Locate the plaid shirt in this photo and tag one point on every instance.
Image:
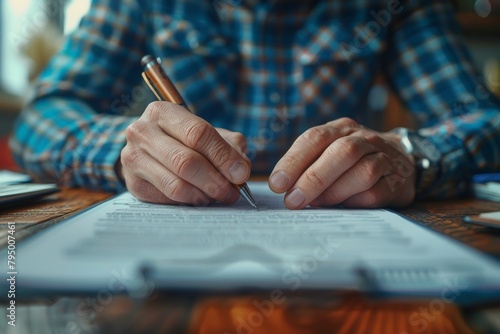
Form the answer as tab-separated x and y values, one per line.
268	69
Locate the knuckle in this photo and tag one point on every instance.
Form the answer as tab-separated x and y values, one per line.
239	140
185	164
198	134
371	172
129	157
372	138
348	122
134	131
292	161
237	137
172	187
346	147
154	110
219	154
316	136
315	178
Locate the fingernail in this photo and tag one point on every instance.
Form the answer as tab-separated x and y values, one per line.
238	172
280	180
296	198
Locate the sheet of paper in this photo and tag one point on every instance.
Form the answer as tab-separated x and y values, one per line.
238	246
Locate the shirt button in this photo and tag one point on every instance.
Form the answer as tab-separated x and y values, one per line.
275	97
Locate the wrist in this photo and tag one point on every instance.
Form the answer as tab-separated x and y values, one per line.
424	155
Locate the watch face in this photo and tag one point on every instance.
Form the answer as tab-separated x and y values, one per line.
425	148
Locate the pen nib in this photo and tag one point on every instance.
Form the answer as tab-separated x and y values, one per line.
247	194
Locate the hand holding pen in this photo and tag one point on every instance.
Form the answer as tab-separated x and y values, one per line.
175	157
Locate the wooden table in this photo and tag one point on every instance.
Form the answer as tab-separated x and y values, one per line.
325	313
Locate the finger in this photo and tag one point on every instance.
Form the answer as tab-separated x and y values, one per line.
141	189
382	194
146	192
141	166
235	139
361	177
305	150
193	168
337	159
200	136
184	162
175	188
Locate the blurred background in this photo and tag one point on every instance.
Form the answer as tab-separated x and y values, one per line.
31	31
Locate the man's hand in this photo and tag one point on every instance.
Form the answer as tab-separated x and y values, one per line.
173	156
343	162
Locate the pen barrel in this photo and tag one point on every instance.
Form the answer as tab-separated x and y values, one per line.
163	84
160	80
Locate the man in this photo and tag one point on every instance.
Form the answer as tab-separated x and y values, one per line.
276	87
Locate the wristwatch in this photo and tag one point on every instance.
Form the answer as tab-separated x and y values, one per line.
426	155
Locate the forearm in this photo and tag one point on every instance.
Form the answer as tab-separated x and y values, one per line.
469	144
432	72
65	141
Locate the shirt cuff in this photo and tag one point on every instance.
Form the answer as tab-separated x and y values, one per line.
95	157
454	174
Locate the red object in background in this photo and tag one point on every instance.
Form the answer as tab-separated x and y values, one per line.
6	159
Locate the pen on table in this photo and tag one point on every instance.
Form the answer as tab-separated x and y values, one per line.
164	89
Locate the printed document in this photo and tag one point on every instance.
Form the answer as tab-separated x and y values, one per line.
122	242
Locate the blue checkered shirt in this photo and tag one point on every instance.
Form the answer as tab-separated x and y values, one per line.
268	69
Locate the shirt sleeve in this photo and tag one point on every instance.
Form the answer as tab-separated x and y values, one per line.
73	130
430	69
